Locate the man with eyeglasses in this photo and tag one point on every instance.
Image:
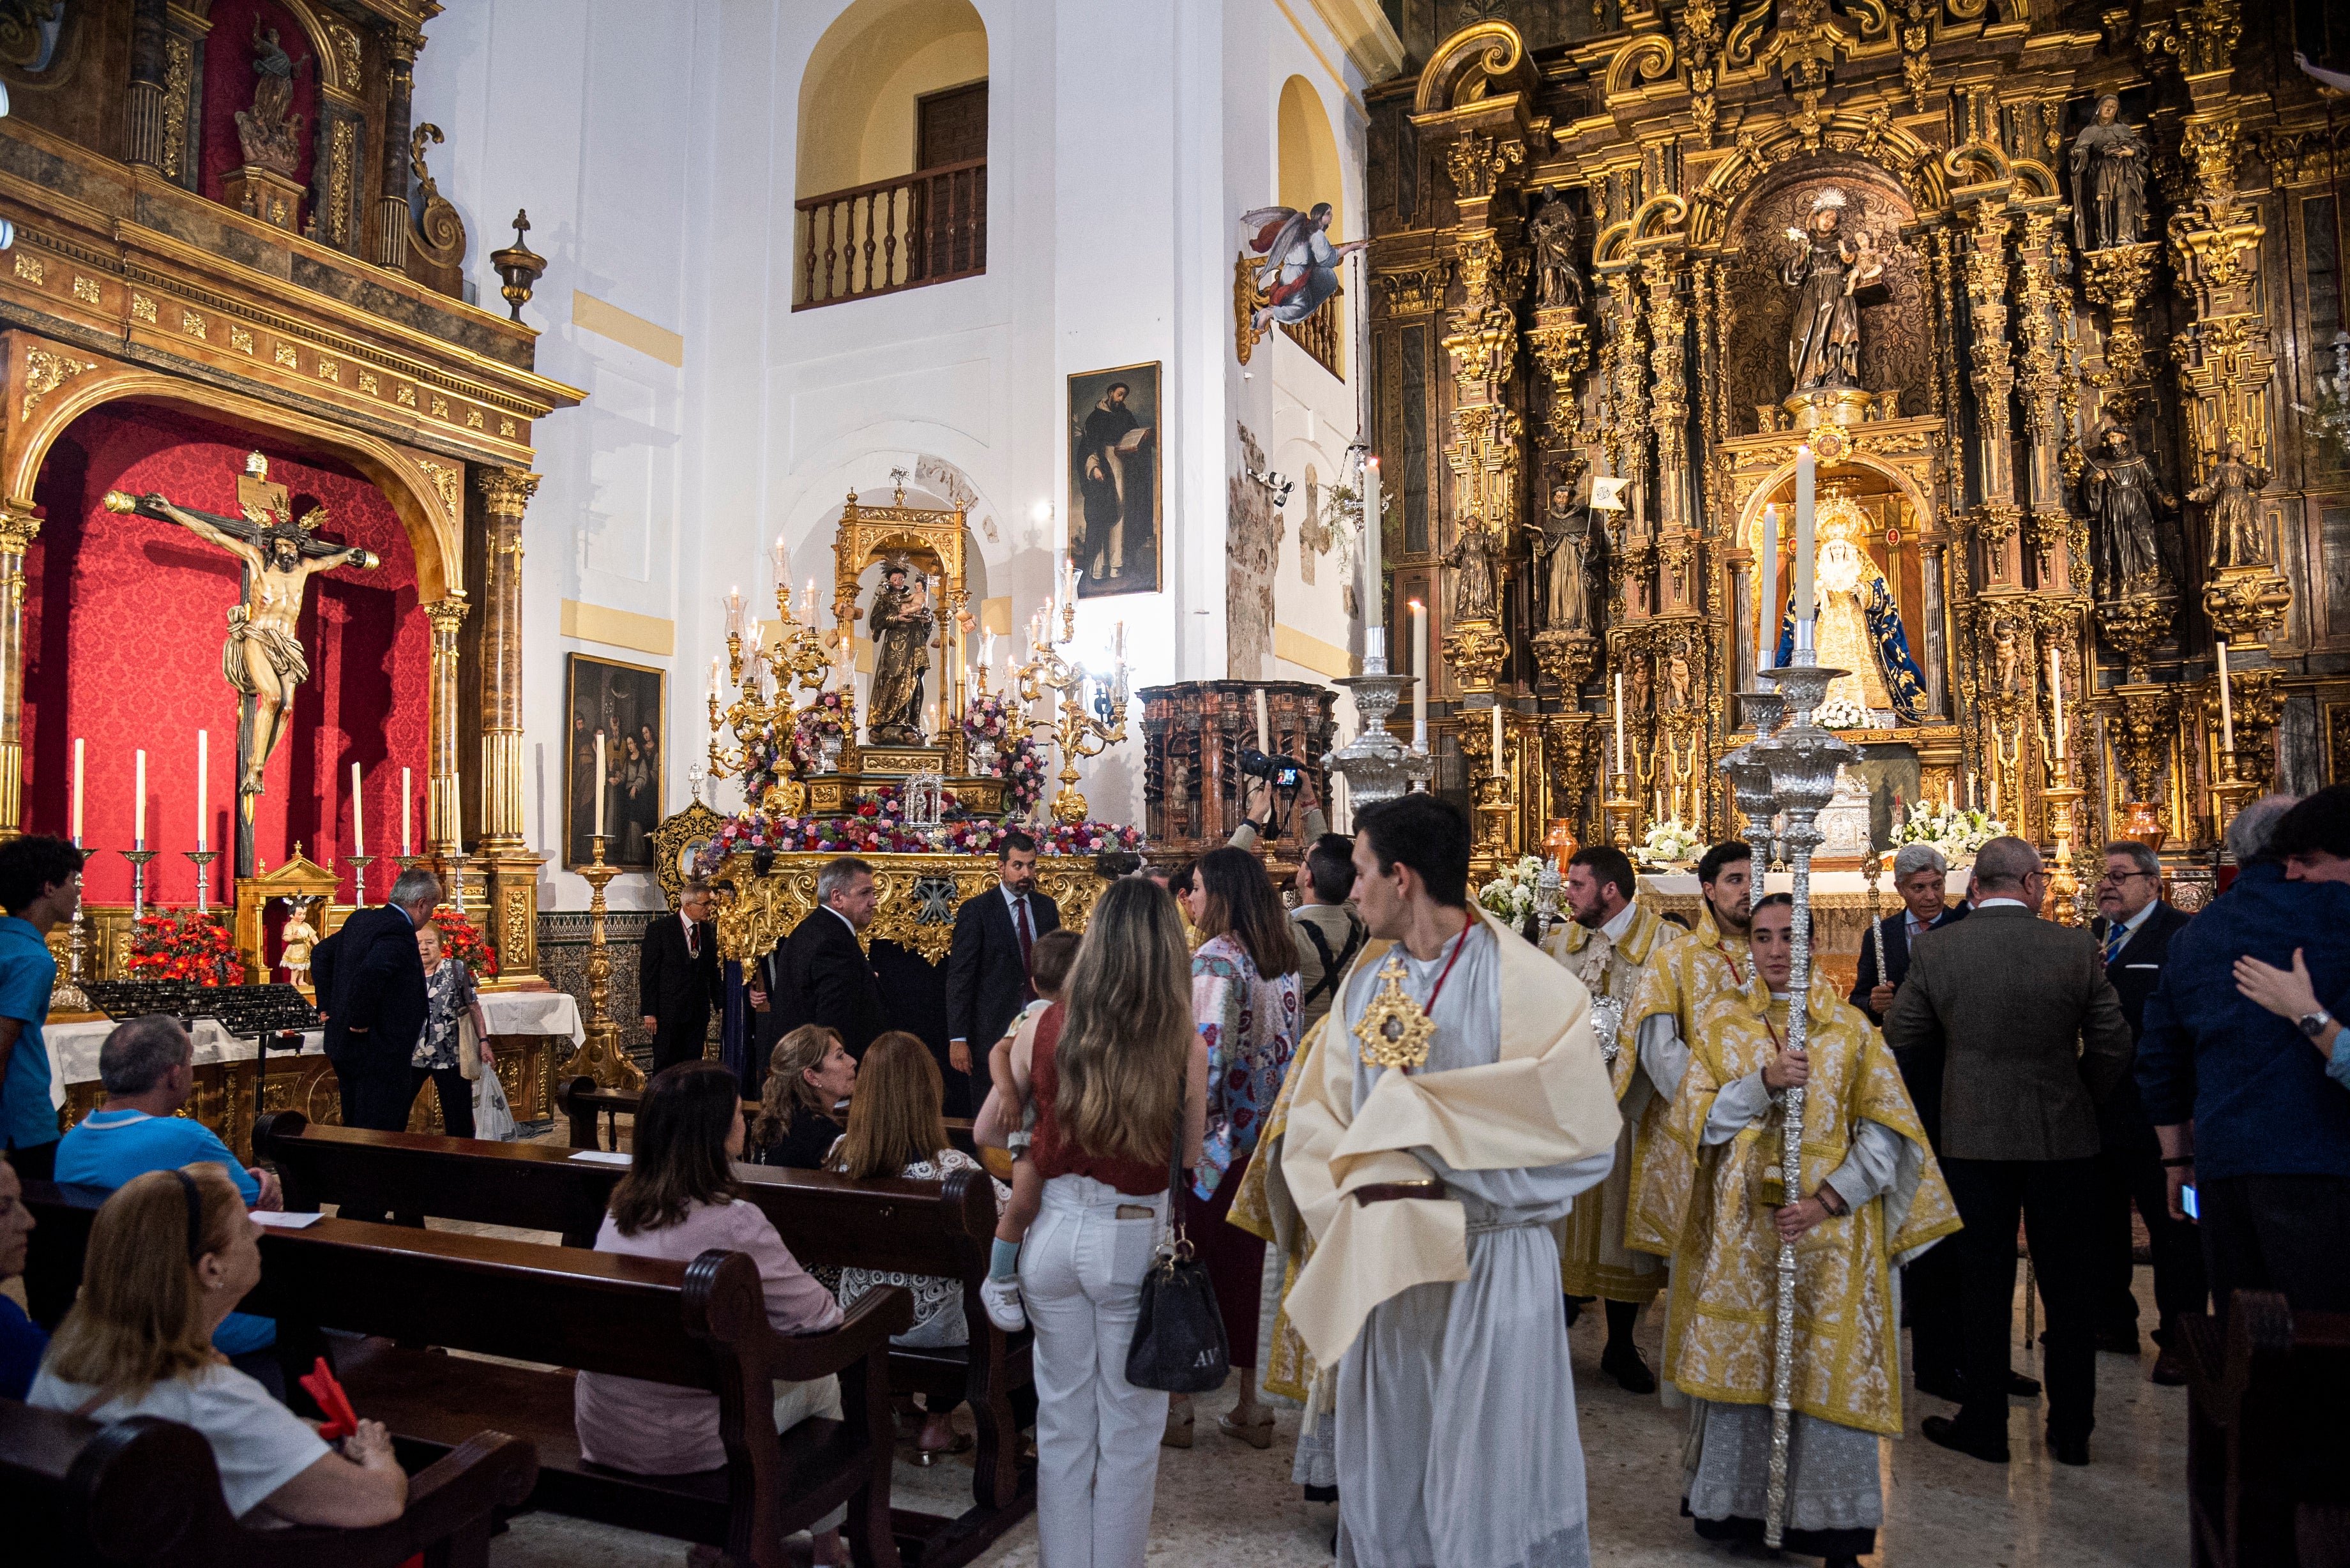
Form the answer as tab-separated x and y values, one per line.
2030	1037
40	882
2134	928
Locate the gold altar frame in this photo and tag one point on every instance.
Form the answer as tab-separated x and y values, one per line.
935	539
766	909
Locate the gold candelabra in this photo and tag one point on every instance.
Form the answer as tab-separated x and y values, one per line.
600	1056
797	655
2063	887
1621	809
2230	791
1079	734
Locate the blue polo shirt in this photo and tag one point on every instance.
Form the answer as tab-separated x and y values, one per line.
27	1118
107	1149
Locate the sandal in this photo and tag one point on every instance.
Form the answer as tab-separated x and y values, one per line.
1179	1427
1256	1434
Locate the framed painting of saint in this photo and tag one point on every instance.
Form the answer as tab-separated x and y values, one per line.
1113	504
625	703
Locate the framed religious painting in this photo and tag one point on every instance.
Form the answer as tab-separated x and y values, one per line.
625	704
1114	489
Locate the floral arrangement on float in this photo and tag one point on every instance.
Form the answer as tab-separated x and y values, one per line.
818	733
185	946
1668	842
1957	834
995	728
875	827
1841	713
1511	894
462	940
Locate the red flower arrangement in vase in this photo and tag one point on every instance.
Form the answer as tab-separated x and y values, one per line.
185	946
461	941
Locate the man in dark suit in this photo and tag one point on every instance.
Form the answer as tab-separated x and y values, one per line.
1919	877
2029	1037
987	967
369	983
819	974
2134	928
677	978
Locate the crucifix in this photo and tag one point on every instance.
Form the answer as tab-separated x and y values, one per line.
262	658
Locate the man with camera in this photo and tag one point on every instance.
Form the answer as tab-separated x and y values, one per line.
1329	932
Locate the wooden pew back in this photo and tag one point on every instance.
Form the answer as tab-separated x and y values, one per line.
2267	1451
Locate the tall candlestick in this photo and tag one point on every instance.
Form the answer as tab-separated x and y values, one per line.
1806	478
1619	721
1766	613
359	827
80	756
407	786
2226	710
1418	676
1373	601
204	743
1263	731
139	802
1498	768
599	783
2056	691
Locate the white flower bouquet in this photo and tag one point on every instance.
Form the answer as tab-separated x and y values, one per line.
1510	895
1841	713
1669	841
1957	834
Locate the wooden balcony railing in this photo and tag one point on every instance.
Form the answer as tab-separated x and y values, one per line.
1318	334
893	234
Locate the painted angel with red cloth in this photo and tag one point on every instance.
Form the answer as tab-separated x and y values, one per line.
1300	269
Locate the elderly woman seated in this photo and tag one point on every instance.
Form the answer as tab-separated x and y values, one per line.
170	1254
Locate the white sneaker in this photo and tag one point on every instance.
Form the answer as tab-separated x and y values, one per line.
1002	1298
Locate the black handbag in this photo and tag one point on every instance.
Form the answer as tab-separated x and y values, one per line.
1178	1338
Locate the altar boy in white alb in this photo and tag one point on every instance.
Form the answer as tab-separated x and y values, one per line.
1433	1146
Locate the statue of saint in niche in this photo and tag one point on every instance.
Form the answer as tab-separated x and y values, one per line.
1858	626
1563	551
270	130
1828	273
2236	537
900	622
1472	560
2121	494
2108	180
1557	280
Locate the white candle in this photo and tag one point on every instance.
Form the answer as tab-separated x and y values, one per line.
1418	676
1806	476
80	756
735	610
139	802
203	743
2226	714
407	786
2056	691
599	783
1263	731
783	569
1619	723
1766	612
359	827
1661	805
1374	605
1994	794
1498	767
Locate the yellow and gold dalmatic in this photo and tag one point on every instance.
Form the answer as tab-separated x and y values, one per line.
1683	978
1718	1201
1261	1208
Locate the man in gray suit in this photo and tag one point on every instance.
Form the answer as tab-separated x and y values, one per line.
2030	1035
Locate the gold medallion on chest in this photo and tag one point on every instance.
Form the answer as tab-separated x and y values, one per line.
1395	1030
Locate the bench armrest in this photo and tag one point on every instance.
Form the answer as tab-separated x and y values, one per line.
454	1497
878	1314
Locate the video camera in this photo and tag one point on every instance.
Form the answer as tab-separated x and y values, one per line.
1281	773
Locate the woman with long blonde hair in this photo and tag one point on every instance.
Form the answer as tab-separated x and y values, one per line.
171	1254
1114	1066
809	1072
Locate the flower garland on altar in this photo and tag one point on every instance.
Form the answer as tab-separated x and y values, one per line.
185	946
461	940
1018	762
875	827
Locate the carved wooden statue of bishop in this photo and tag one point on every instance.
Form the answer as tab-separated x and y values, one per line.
262	658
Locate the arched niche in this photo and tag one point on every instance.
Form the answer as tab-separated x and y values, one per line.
1307	167
856	101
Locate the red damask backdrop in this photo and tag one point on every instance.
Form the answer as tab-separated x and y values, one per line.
228	86
124	618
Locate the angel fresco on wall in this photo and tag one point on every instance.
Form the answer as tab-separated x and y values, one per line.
1300	269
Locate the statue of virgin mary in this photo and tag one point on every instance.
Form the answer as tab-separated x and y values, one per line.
1859	623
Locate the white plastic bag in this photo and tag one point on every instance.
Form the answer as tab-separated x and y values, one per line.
493	1118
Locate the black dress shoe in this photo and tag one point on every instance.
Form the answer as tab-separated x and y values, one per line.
1946	1433
1630	1371
2069	1451
2118	1341
2019	1387
2170	1371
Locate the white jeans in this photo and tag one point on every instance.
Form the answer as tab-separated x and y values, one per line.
1081	1272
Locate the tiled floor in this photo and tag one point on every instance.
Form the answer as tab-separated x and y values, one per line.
1223	1504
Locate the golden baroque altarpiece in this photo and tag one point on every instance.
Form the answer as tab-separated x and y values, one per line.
2071	304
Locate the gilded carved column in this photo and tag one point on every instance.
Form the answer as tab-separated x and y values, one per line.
511	867
18	528
440	825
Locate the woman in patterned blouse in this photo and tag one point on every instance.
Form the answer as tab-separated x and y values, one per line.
1244	1003
449	995
895	1130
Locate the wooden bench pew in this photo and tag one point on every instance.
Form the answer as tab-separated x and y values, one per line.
824	1217
145	1492
2268	1457
593	1114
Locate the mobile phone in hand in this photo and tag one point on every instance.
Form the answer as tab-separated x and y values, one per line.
2186	1202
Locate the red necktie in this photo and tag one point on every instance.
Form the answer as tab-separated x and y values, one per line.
1027	945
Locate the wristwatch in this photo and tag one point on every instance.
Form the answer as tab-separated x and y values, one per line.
2314	1024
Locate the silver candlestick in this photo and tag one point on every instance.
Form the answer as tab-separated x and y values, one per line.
358	865
1801	761
1375	764
1546	890
138	858
204	859
69	997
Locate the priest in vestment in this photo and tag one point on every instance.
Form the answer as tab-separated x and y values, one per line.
1869	1196
1457	1104
1607	945
1681	983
